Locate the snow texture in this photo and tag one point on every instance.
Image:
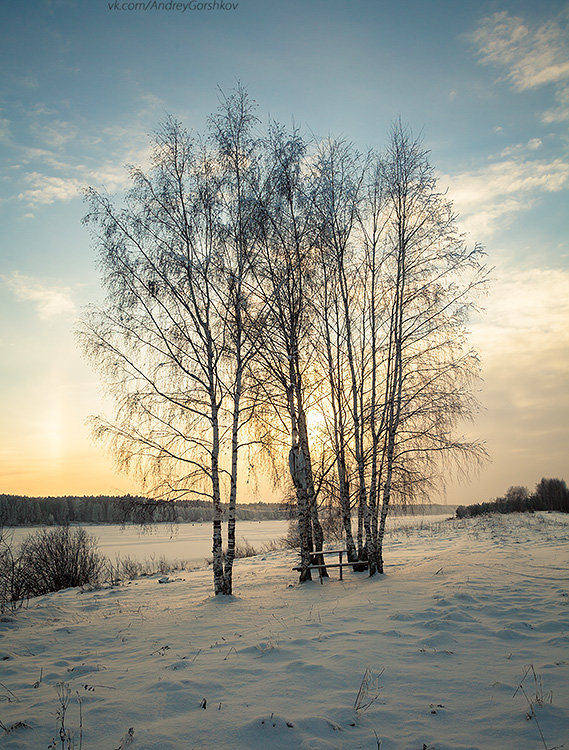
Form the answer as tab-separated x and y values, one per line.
430	655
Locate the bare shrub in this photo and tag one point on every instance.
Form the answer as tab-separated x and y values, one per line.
59	558
245	549
292	539
275	545
332	526
122	569
242	549
161	565
128	568
12	576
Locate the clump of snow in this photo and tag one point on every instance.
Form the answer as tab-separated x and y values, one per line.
431	654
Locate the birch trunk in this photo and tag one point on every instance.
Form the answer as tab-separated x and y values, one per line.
219	582
338	428
230	557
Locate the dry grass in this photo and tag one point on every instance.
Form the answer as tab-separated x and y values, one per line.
244	549
128	569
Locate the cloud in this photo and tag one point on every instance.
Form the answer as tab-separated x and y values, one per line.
560	112
527	311
58	156
44	189
517	149
112	174
151	101
54	134
531	55
523	339
50	301
45	156
113	177
486	196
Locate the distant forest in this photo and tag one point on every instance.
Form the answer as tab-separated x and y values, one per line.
20	510
550	494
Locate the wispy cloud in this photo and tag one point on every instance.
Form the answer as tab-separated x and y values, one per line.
523	338
560	111
530	55
151	101
495	192
518	148
33	154
50	301
55	133
113	177
63	159
527	313
45	189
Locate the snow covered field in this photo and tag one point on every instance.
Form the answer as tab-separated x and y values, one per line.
465	611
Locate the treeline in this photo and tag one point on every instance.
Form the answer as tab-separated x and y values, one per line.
550	494
19	510
422	509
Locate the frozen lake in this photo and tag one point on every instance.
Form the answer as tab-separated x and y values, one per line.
191	542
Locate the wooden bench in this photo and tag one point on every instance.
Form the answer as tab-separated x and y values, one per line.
340	564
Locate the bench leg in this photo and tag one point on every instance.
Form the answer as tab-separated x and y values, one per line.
320	574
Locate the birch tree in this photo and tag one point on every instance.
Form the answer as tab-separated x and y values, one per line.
431	278
287	277
338	175
397	282
237	153
170	338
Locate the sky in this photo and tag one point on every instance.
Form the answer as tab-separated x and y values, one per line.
85	83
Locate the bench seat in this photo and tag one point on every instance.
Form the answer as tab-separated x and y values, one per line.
361	563
321	566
